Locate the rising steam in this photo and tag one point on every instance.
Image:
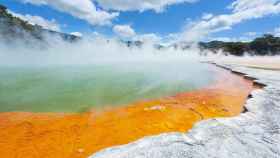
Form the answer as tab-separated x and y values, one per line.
89	50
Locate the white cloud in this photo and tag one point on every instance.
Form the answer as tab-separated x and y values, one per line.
243	5
38	20
233	39
36	2
276	32
78	34
139	5
207	16
149	37
82	9
251	34
242	10
124	31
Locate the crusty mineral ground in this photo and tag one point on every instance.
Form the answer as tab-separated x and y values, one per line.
265	63
45	135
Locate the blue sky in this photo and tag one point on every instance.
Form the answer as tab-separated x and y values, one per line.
173	19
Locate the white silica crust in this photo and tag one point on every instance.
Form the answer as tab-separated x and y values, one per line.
254	134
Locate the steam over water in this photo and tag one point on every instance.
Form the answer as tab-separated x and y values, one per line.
77	88
69	78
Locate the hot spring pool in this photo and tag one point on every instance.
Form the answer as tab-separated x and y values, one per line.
79	88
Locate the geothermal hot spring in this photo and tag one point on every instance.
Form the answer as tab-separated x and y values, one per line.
77	88
93	74
73	100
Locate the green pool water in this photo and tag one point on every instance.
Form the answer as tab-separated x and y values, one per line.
79	88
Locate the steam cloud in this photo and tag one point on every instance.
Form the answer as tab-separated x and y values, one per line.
89	50
52	49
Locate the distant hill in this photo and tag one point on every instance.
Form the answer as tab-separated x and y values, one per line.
12	28
261	46
266	45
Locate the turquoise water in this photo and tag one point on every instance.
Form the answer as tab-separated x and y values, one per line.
79	88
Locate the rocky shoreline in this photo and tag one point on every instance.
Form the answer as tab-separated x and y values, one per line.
255	133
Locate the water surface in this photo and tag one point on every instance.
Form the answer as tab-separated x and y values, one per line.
79	88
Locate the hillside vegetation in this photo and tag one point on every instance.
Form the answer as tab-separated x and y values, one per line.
12	28
266	45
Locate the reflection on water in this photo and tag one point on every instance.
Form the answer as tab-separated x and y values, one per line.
78	88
